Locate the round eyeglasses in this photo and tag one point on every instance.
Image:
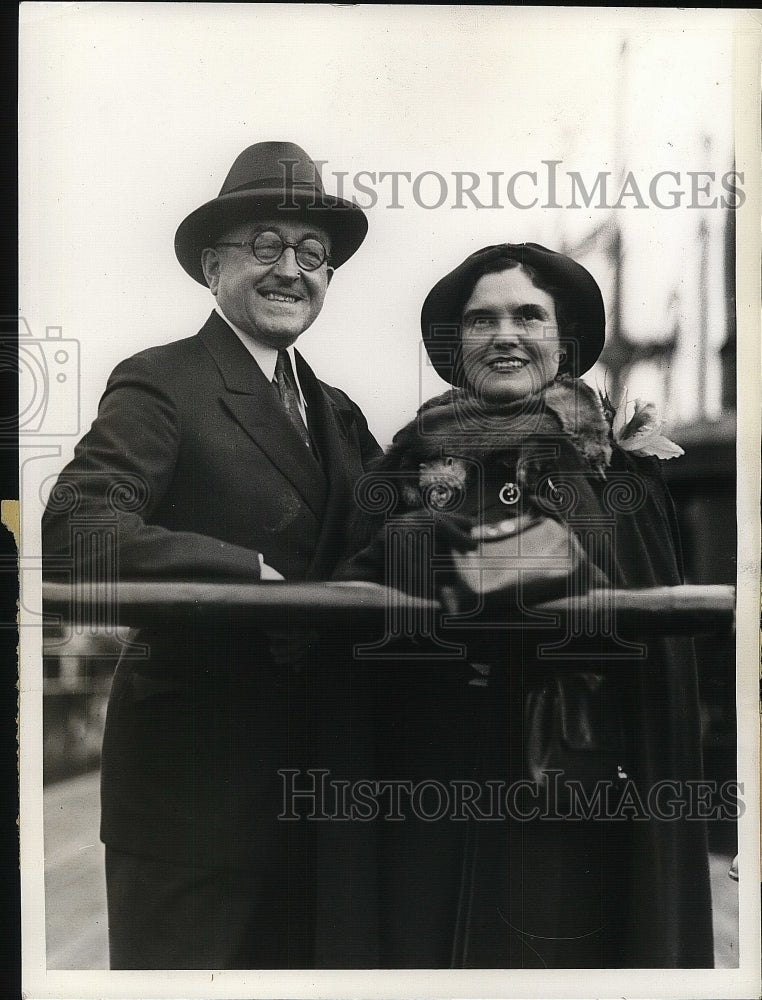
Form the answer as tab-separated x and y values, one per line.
268	248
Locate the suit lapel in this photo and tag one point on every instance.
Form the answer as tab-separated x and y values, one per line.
253	403
331	423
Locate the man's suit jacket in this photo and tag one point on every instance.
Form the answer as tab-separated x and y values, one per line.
193	468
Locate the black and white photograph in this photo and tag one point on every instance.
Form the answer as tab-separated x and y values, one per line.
389	469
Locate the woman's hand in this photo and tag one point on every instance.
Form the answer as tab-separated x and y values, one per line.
451	531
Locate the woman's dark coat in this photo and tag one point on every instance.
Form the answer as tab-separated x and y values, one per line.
631	891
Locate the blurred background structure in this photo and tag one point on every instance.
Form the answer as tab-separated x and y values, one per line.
681	356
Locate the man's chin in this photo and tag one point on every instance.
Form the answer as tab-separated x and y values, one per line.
278	337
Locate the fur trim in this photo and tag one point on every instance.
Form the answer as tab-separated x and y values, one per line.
454	424
580	411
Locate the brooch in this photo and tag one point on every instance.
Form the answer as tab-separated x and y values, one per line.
442	482
509	493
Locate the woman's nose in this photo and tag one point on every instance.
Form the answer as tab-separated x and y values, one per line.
507	332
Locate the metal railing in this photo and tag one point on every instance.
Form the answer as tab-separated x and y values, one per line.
686	610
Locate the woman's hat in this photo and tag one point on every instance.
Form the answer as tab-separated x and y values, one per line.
271	179
441	313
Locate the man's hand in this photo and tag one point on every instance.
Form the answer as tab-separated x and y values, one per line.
267	573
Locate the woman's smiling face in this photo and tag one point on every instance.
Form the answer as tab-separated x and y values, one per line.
509	346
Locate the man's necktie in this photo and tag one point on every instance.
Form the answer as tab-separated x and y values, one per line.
286	385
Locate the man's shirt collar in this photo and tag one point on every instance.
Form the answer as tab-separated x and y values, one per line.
264	355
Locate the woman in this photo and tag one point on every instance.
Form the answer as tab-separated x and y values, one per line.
552	742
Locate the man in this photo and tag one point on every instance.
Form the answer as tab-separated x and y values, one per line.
220	457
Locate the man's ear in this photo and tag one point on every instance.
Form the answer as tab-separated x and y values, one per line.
210	262
329	273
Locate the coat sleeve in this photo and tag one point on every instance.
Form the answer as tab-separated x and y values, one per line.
370	450
653	530
365	552
101	517
670	512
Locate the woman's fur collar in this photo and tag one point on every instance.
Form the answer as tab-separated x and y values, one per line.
455	423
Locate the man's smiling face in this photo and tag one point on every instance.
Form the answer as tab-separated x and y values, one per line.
273	303
509	346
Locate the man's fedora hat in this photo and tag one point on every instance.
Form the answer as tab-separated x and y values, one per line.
275	180
582	300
